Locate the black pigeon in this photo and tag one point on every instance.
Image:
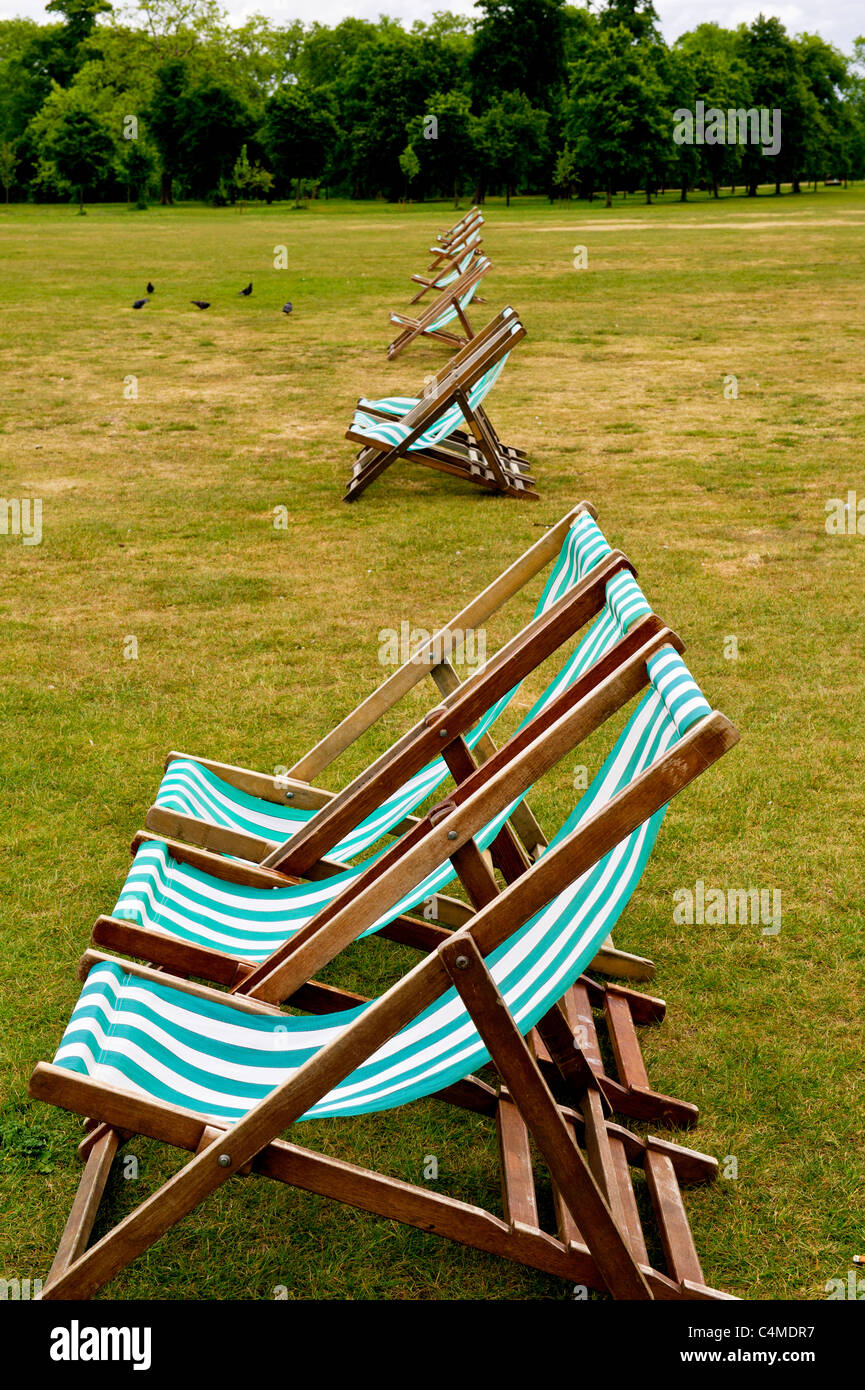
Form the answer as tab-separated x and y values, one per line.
247	291
200	303
150	289
286	308
139	303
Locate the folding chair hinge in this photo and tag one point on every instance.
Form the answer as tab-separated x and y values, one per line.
430	718
208	1134
441	812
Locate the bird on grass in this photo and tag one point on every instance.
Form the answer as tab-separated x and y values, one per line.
286	308
200	303
248	291
139	303
150	289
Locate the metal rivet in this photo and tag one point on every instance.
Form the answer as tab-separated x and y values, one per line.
289	796
462	962
452	835
443	733
224	1160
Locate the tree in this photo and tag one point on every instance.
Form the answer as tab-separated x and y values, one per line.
298	133
564	173
519	46
715	74
136	166
617	119
511	141
166	117
250	179
81	149
777	84
442	142
638	17
8	165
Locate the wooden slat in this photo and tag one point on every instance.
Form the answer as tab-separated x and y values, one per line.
519	1071
626	1046
85	1207
628	1201
679	1249
515	1159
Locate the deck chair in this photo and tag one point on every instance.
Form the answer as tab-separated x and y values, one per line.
397	407
185	911
445	268
449	307
224	1077
216	919
432	431
461	228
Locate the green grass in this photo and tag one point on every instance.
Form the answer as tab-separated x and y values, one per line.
253	642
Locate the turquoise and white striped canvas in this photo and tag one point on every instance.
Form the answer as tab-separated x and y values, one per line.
249	923
213	1059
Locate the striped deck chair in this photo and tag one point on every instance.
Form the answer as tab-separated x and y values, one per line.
461	228
448	307
224	1077
190	910
396	407
446	268
431	429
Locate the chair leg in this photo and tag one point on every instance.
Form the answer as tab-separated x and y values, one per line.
513	1059
79	1225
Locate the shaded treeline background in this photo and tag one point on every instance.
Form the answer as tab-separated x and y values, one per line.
535	96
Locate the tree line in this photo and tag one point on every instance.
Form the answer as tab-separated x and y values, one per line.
534	96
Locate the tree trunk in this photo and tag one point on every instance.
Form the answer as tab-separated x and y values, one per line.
797	188
715	193
166	196
777	188
297	194
456	194
683	196
609	202
507	194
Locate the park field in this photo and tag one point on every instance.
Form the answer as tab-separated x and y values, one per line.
252	641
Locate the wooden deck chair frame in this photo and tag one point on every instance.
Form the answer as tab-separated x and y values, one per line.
485	461
453	369
185	832
630	1094
447	264
449	298
600	1241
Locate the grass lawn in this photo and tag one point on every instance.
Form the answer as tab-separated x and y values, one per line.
252	642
